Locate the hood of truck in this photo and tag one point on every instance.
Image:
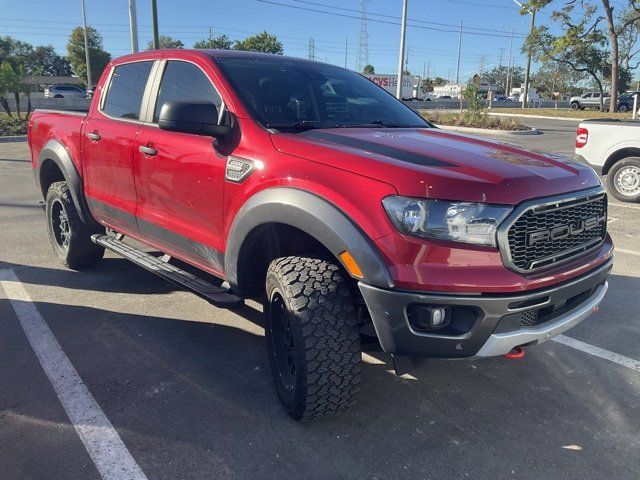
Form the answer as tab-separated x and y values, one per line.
433	163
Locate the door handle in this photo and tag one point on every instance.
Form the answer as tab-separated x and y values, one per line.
147	150
94	136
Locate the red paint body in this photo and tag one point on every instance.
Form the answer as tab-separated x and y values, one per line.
183	190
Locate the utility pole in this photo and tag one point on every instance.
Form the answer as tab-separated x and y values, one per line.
86	46
312	49
508	86
528	70
459	49
346	49
403	34
362	57
133	26
154	25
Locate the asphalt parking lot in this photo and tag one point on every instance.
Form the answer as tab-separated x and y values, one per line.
187	386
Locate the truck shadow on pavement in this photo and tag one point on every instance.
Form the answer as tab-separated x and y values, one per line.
115	275
195	395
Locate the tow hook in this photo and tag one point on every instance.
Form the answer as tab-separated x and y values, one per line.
516	353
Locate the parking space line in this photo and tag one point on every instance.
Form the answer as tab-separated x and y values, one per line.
599	352
628	252
104	445
633	207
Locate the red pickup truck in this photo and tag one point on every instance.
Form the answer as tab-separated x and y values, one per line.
312	189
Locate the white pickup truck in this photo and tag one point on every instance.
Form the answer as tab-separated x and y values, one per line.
612	147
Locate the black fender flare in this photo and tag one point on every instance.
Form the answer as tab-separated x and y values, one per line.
312	214
55	152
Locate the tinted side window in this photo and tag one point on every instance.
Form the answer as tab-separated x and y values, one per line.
124	96
184	82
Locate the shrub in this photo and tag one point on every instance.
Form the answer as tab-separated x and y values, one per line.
12	125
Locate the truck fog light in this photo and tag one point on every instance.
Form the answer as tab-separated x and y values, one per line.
438	316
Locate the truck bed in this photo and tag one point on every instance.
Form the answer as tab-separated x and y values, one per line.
63	126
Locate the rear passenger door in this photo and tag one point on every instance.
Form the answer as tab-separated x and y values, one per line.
109	134
180	183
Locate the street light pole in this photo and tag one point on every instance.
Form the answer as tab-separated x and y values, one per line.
86	46
403	34
528	70
133	26
154	25
459	49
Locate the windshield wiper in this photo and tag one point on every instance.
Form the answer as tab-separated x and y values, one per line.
381	123
298	126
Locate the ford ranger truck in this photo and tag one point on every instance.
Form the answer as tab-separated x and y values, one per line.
612	147
308	187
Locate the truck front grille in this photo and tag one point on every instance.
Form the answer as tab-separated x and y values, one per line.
555	231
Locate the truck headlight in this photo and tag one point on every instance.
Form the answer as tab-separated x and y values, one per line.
466	222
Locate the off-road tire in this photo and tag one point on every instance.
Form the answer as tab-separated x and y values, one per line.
632	164
78	250
310	294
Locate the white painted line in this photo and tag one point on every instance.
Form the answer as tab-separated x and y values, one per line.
614	204
599	352
104	445
628	252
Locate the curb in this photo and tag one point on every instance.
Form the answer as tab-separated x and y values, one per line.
543	117
487	131
14	138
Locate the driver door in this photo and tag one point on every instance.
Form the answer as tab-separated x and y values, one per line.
180	176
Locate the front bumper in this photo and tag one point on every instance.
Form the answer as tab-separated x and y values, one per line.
488	324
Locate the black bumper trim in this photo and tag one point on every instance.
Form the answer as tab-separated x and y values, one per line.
388	310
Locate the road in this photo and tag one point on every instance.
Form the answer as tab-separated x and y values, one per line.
187	387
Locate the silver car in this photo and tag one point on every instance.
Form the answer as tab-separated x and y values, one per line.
589	100
64	91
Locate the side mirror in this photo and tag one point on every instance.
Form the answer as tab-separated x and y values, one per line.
197	118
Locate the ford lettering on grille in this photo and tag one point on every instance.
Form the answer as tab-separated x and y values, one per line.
545	234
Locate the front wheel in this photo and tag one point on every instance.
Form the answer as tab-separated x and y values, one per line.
70	237
574	106
623	108
312	336
623	179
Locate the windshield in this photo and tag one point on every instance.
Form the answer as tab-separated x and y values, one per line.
288	94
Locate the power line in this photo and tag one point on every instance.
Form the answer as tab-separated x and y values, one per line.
324	5
388	22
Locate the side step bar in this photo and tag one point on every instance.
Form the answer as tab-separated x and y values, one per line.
217	296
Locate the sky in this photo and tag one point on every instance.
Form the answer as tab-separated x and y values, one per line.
432	37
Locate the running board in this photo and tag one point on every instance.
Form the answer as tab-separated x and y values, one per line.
217	296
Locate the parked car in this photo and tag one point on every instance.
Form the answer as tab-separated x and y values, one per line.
64	91
502	98
613	148
308	187
589	100
625	101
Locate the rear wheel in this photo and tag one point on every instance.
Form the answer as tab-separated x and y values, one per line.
623	179
312	336
70	237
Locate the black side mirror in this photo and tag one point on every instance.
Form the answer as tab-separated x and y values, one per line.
197	118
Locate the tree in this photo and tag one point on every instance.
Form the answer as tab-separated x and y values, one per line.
98	57
221	42
439	82
617	27
553	77
9	83
262	42
581	46
166	42
427	85
369	69
498	76
44	60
